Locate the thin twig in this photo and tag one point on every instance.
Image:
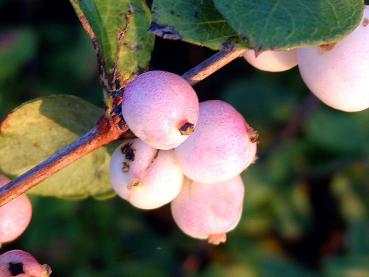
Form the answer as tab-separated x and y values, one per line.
212	64
106	131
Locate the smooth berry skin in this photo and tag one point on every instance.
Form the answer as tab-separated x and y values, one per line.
222	146
209	211
338	74
15	216
272	60
21	264
149	180
156	105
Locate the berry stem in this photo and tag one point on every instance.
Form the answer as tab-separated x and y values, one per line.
106	131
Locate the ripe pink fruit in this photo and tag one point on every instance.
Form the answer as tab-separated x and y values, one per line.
160	108
144	176
272	60
209	211
22	264
222	146
15	216
338	74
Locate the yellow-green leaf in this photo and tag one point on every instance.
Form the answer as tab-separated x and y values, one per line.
41	127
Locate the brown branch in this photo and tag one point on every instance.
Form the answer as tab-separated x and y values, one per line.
212	64
106	131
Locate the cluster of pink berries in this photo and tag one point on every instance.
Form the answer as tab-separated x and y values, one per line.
15	217
335	73
191	154
187	153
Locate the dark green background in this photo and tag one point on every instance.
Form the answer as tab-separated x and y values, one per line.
307	197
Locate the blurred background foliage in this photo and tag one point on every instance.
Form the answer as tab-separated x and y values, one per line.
307	198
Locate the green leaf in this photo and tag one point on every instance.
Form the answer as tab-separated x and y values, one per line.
258	208
276	266
336	131
359	238
267	24
193	21
347	266
118	29
262	99
292	213
16	49
351	193
39	128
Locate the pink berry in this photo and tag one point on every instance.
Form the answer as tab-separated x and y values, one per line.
15	216
272	60
22	264
160	108
222	146
146	177
209	211
338	73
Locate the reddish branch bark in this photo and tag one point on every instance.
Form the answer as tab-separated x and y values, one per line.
106	131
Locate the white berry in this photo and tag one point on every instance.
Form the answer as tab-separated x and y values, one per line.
22	264
338	74
15	216
146	177
160	108
222	146
272	60
209	211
